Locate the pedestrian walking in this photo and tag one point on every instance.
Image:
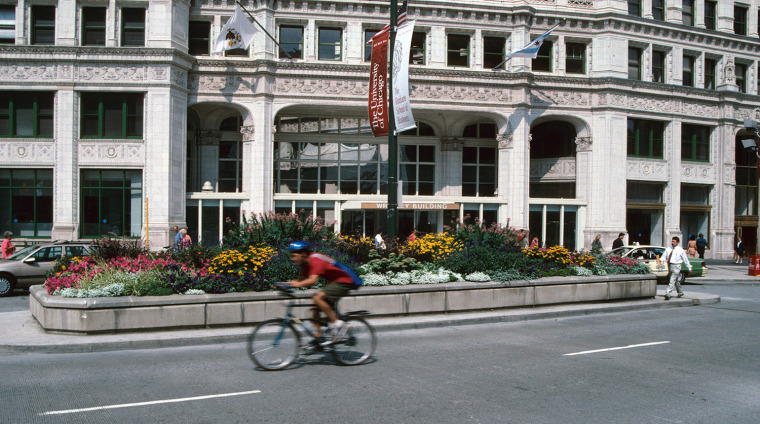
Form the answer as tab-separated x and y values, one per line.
691	247
8	248
596	245
701	246
379	241
534	242
739	250
676	258
618	241
177	238
187	241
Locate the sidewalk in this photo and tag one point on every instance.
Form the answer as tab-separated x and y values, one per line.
20	332
726	270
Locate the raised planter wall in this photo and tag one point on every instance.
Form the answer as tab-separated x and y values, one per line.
128	313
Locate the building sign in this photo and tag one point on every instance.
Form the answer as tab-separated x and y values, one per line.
416	206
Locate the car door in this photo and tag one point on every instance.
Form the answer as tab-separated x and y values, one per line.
35	272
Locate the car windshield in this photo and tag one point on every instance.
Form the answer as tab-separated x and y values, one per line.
621	251
21	254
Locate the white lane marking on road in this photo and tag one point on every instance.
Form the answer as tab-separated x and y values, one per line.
615	348
153	402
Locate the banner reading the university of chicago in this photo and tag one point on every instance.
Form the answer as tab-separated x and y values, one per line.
402	109
378	80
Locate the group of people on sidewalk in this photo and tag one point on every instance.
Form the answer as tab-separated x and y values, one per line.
182	239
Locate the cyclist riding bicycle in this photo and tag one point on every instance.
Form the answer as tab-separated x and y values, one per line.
340	279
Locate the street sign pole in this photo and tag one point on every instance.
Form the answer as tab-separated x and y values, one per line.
392	214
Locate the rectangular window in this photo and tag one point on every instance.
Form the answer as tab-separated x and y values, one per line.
7	24
493	52
26	201
458	50
230	166
291	41
111	203
634	63
645	138
688	70
132	26
695	142
43	24
112	115
710	12
634	7
479	171
417	54
200	38
658	66
330	44
26	114
710	66
543	61
417	169
368	34
93	26
741	77
687	12
575	58
658	10
740	20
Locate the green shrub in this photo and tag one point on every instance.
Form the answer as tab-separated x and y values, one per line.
196	256
393	263
275	229
110	248
470	232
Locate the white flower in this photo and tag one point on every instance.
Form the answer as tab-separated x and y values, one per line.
195	291
477	276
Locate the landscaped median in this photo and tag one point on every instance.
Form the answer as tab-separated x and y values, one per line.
138	313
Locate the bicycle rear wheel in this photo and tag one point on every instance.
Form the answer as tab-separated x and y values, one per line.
357	345
274	345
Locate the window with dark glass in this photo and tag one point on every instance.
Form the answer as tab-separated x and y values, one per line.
26	201
112	115
230	166
422	129
634	7
493	52
132	26
43	24
658	10
111	203
746	178
458	50
710	66
417	51
7	24
538	190
93	26
740	20
480	130
687	12
710	12
330	44
634	63
479	171
741	77
291	41
695	142
645	138
26	114
543	61
554	139
368	34
417	169
575	58
688	70
658	66
199	43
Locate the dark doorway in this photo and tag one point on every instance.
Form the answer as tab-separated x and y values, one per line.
639	226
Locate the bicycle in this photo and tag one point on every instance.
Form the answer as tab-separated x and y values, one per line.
276	343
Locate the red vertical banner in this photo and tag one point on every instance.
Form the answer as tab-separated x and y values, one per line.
378	80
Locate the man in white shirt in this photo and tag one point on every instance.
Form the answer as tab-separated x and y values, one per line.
379	242
675	257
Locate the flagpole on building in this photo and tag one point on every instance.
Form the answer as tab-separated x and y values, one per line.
264	29
392	214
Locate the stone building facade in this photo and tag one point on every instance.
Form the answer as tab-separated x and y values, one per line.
115	117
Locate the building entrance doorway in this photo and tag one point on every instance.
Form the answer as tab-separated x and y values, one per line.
644	226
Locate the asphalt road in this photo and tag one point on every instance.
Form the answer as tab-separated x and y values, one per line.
683	365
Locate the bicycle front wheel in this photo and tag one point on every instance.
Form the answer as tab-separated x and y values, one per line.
358	343
274	345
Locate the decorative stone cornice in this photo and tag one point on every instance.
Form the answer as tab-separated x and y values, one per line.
27	152
451	144
553	169
647	169
583	144
506	141
248	132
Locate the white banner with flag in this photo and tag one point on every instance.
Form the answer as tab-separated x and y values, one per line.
402	109
237	33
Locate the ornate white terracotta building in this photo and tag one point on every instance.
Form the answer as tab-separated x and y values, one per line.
115	118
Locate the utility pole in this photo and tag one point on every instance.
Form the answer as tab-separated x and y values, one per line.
392	214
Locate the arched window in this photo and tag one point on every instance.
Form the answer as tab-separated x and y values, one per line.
554	139
231	124
422	129
480	130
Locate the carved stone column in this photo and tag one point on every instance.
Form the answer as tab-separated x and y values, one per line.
66	191
248	132
450	171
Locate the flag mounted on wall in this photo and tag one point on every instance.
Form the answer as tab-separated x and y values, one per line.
531	50
237	33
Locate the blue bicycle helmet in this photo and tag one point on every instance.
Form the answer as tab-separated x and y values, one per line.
298	246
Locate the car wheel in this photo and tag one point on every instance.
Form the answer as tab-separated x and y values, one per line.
7	283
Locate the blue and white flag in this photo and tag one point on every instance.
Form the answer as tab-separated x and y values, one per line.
531	50
237	33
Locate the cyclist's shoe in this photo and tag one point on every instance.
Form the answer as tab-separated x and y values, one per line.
338	329
315	345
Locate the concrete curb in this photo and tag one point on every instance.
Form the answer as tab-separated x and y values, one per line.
24	335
